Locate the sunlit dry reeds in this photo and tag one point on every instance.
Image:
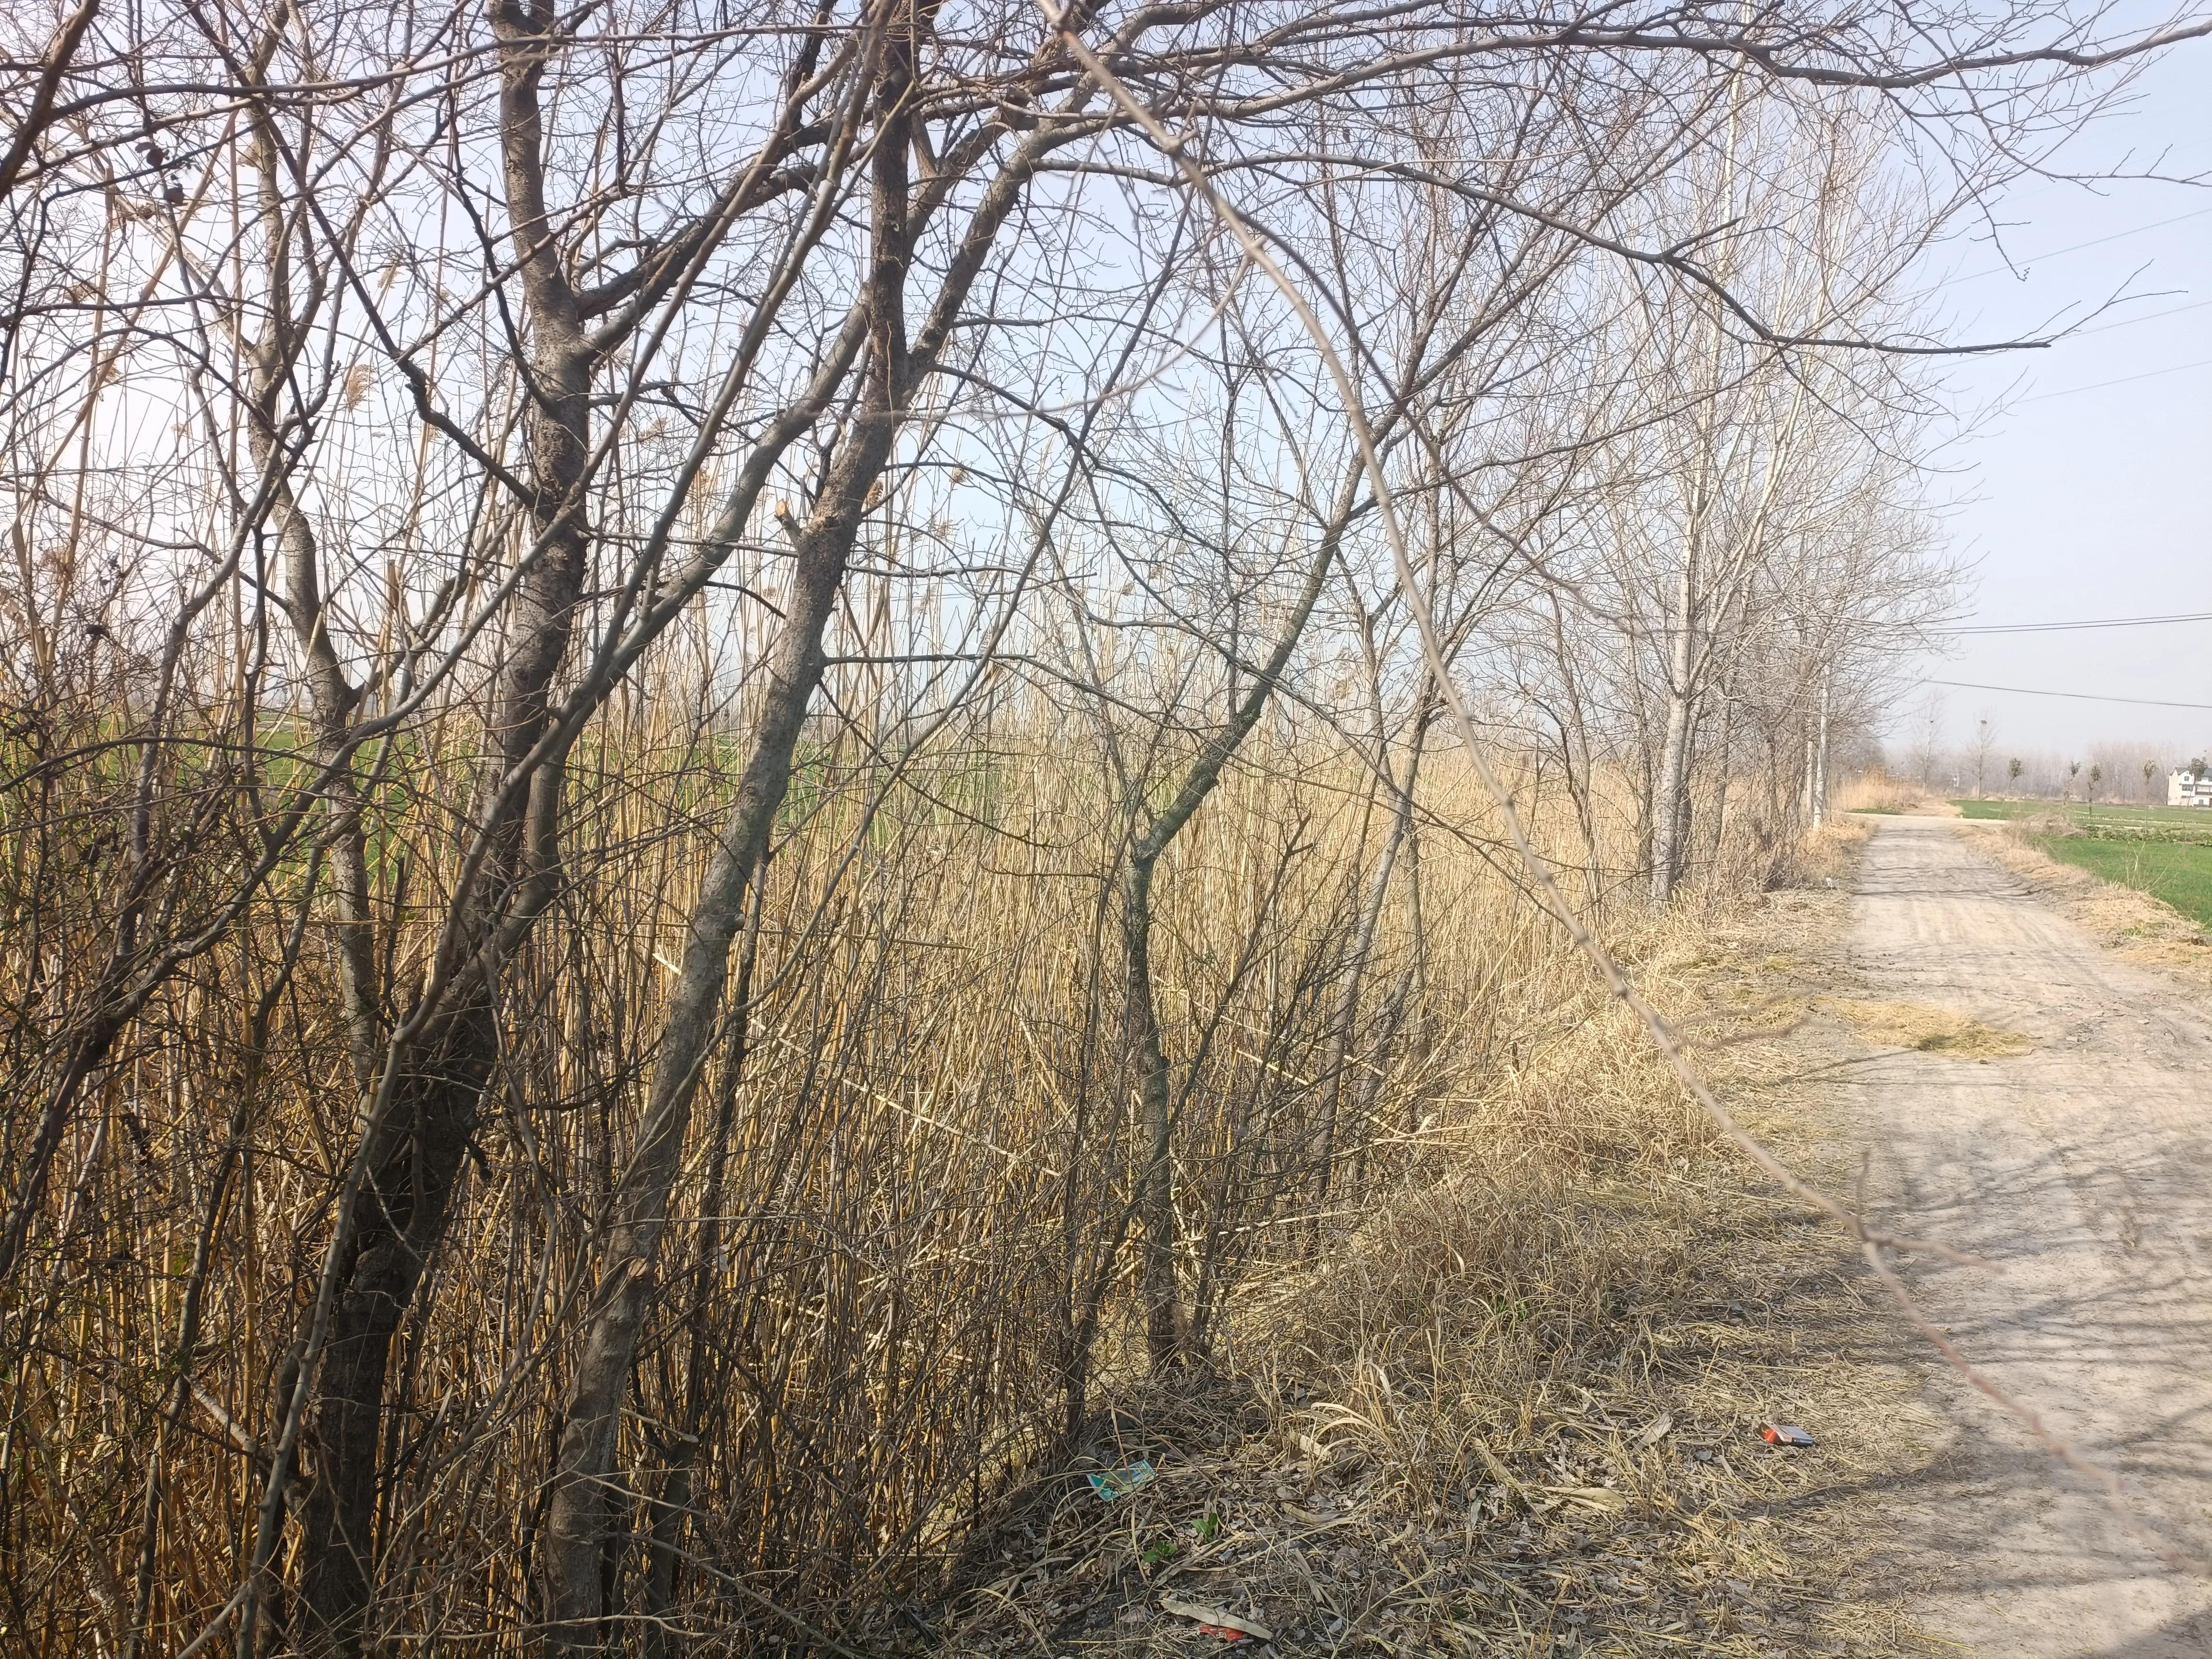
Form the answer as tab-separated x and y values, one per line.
899	1278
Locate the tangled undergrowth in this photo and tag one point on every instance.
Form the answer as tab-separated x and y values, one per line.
1518	1410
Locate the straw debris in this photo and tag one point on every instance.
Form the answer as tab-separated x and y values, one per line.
1931	1030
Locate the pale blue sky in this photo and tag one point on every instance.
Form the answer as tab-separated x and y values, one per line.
2082	499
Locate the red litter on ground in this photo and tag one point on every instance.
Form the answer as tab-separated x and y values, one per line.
1785	1434
1215	1622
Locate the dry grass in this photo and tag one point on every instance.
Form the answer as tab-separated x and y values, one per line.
2124	919
1877	792
885	1219
1517	1412
1826	856
1931	1030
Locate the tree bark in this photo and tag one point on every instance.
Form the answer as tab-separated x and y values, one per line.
1673	781
1820	757
416	1168
584	1488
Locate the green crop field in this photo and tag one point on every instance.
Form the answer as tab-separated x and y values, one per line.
2164	851
2177	873
2188	824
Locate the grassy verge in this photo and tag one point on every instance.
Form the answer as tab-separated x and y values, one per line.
1518	1412
2163	851
1990	809
2124	918
2175	873
2184	823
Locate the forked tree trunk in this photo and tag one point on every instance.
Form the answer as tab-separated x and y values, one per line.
1165	1321
415	1164
586	1487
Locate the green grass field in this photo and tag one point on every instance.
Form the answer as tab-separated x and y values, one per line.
2164	823
2177	873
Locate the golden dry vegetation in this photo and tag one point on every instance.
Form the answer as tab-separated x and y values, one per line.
1919	1025
1516	1410
1442	1338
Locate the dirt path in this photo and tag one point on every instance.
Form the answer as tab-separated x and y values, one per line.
2082	1172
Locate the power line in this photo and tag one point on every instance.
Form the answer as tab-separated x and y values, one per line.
2099	386
2078	696
2095	241
2063	627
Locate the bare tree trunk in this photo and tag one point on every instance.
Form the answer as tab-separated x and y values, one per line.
578	1530
701	1371
1164	1315
1140	1028
416	1167
1672	784
1821	754
577	1523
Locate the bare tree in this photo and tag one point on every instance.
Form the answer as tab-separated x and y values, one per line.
534	532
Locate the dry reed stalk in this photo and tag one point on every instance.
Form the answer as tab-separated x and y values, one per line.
925	1166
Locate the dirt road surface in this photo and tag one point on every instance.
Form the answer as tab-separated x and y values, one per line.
2082	1172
